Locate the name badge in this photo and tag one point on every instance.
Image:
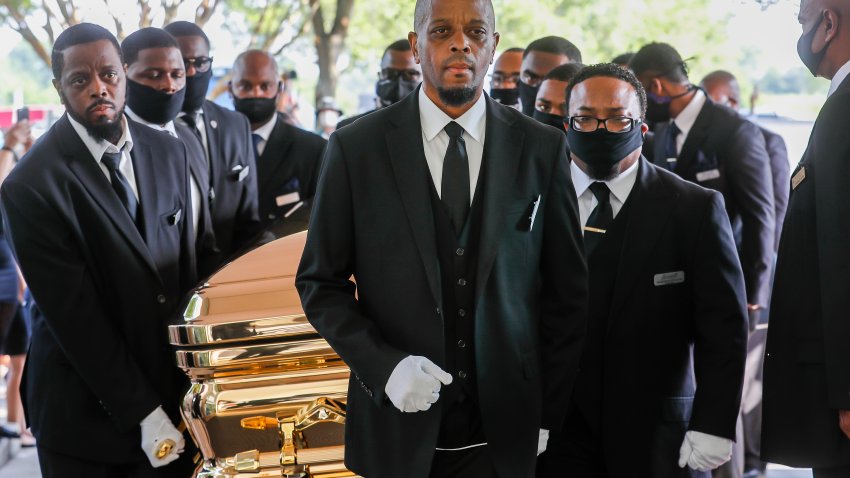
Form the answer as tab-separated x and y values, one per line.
669	278
798	178
285	199
708	175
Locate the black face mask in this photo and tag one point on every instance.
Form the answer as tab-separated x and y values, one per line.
550	119
601	150
506	96
153	105
804	49
258	110
196	91
658	107
527	95
392	91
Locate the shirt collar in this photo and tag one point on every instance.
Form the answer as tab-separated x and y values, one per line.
621	186
433	119
99	146
167	127
839	78
266	129
686	119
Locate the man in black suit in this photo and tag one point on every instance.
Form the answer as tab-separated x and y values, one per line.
100	221
806	407
722	87
226	139
504	82
287	157
667	303
399	76
538	59
156	85
456	218
714	147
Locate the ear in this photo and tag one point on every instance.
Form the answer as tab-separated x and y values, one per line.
644	128
655	86
413	38
58	87
496	38
832	23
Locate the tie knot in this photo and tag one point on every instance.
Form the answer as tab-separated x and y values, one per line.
191	120
111	160
600	191
454	130
674	130
257	139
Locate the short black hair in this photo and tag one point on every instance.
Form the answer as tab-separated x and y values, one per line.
623	59
662	60
610	70
565	72
186	29
398	45
144	39
77	35
556	45
515	49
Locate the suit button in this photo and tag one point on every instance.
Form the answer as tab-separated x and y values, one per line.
160	298
438	311
461	344
461	313
272	216
461	374
461	282
459	251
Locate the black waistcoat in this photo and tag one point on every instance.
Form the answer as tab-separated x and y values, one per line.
458	259
602	266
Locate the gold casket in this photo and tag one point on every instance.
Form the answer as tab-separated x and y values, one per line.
267	396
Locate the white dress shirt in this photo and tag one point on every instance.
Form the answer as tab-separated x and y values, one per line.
436	140
195	190
99	146
686	119
621	186
202	130
265	131
839	78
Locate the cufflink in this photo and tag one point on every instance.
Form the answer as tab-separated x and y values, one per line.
165	448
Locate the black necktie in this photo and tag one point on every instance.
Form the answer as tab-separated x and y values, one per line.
600	219
256	139
192	120
671	152
454	191
120	184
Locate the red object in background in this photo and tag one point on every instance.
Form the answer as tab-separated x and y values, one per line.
7	115
6	118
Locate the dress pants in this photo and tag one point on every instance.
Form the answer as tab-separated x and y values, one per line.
469	463
842	472
58	465
576	451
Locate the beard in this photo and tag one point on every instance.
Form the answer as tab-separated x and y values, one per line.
457	96
102	130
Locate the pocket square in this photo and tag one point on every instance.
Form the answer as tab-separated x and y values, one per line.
669	278
175	218
240	172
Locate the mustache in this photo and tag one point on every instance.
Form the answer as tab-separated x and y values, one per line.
100	102
468	61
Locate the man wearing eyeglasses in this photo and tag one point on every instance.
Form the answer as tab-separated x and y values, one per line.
226	139
660	377
399	76
504	82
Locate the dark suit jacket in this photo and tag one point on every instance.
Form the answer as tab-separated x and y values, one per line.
235	216
807	363
351	119
781	174
373	218
99	361
674	353
289	164
726	153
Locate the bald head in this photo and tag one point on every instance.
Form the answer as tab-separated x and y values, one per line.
423	9
723	88
255	75
255	60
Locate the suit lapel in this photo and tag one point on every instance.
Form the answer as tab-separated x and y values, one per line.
659	143
86	169
502	154
696	136
407	157
650	209
274	157
214	148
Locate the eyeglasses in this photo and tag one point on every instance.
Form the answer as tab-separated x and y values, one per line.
392	74
499	79
589	124
202	64
530	78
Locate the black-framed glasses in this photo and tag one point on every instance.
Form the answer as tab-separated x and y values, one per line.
202	64
499	78
407	75
589	124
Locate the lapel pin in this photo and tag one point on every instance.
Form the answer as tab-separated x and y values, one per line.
214	124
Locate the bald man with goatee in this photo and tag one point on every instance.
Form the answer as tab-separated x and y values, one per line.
456	219
807	366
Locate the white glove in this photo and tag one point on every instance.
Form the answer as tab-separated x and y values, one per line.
704	452
542	441
415	384
156	428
